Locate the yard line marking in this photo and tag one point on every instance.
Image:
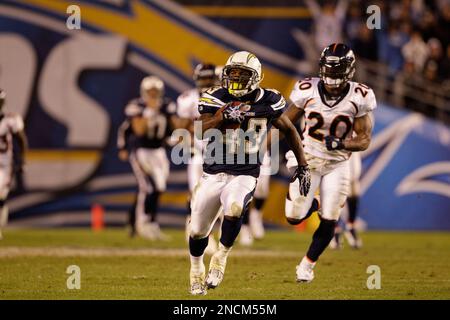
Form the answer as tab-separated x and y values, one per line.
8	252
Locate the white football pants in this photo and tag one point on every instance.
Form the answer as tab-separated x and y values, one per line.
333	179
233	193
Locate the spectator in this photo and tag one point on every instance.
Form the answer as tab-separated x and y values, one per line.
328	22
397	38
435	60
415	51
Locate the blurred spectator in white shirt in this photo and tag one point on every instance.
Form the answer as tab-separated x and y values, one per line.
415	51
328	21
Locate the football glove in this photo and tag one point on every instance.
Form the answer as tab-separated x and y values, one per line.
233	113
334	143
303	174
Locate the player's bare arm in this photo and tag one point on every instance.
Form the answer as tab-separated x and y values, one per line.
210	121
293	138
294	113
363	130
302	172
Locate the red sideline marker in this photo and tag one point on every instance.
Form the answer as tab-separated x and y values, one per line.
97	217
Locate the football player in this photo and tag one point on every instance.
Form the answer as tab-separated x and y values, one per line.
231	166
149	122
11	128
205	76
338	122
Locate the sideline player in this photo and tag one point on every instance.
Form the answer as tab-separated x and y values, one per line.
231	165
338	122
149	122
11	128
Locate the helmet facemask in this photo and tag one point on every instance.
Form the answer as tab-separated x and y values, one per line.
242	84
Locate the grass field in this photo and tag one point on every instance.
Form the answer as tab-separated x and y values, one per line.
33	265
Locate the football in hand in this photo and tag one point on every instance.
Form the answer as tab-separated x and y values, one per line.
232	125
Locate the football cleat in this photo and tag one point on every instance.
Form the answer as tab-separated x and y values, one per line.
197	284
245	236
353	239
216	270
304	270
256	224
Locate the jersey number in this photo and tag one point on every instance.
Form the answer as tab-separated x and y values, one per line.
157	127
333	127
256	128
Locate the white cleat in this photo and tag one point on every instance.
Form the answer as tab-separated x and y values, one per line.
216	271
151	231
305	272
353	239
197	284
256	224
212	246
245	236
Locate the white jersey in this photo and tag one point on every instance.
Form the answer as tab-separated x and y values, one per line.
324	120
187	104
187	108
10	124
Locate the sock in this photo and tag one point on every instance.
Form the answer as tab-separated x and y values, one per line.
321	239
197	265
352	208
197	246
230	230
223	252
151	205
259	203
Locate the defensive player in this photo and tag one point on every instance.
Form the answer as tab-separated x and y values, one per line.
338	122
205	76
231	164
11	128
149	122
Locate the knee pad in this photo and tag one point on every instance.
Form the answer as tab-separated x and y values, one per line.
236	211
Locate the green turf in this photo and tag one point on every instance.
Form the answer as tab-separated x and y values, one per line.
413	266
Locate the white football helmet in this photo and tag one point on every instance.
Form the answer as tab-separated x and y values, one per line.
242	85
151	82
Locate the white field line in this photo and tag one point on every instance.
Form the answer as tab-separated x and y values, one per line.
61	252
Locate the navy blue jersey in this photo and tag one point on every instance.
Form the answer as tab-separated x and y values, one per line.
158	122
239	151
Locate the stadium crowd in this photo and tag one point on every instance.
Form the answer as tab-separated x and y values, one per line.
413	38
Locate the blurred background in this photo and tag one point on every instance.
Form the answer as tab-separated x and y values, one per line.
71	87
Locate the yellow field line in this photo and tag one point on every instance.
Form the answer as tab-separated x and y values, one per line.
251	12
